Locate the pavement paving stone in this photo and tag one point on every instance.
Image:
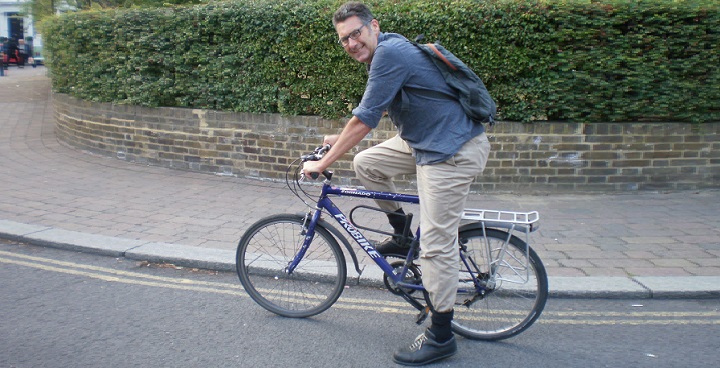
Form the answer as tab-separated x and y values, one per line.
637	244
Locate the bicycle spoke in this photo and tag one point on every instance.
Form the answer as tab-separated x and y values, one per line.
516	287
263	258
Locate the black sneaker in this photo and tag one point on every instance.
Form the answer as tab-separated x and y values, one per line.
425	350
390	247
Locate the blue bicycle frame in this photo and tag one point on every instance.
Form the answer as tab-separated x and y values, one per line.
327	204
324	202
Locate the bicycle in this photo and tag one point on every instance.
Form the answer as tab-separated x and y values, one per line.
293	265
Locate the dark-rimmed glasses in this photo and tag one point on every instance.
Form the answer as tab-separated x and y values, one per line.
353	35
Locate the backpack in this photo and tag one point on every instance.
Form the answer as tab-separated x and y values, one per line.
472	94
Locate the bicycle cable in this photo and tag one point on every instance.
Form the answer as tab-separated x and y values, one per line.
293	178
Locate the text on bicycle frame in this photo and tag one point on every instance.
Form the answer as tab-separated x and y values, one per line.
357	236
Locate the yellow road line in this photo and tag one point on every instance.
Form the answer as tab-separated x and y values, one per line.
135	280
117	272
377	306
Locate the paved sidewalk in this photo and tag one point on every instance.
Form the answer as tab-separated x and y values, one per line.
621	245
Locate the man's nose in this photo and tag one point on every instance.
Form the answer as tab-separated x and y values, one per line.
352	43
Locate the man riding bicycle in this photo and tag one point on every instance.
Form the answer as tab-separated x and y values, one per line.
436	141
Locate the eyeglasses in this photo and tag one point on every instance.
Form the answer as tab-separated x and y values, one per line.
353	35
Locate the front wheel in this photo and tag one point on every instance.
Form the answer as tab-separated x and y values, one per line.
515	283
264	253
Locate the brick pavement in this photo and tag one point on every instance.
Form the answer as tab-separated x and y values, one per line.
45	183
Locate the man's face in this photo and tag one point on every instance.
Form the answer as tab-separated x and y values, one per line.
362	48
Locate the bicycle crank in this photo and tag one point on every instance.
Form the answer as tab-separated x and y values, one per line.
412	276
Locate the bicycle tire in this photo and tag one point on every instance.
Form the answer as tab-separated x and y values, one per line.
266	249
517	299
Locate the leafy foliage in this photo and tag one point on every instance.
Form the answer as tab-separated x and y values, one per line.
41	9
616	60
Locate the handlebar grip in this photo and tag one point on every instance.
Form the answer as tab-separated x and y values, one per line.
326	174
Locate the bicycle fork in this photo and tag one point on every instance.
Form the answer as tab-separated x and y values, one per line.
308	234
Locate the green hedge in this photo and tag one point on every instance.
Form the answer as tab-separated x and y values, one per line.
616	60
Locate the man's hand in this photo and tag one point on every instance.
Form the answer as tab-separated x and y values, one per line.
354	131
310	167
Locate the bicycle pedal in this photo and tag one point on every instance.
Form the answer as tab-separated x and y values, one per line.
422	316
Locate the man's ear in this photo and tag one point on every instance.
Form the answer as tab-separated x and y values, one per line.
375	25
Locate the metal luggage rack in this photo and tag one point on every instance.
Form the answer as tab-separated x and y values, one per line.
524	222
518	218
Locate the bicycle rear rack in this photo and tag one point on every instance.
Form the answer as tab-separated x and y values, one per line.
524	222
517	218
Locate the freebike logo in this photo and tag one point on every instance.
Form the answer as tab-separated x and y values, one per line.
364	243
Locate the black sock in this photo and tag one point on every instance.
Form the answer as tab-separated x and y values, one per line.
397	221
441	325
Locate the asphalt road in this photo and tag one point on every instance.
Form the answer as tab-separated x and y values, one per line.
68	309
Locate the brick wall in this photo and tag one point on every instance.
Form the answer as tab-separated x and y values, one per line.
544	157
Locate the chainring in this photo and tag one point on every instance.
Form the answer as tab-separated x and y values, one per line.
412	276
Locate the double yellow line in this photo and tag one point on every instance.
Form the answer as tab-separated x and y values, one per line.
361	304
113	275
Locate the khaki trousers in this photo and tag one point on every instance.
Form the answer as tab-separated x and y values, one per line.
443	189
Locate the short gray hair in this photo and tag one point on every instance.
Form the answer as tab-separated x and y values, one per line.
353	9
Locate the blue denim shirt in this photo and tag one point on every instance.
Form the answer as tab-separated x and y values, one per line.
435	126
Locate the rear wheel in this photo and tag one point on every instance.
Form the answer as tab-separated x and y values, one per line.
264	253
514	297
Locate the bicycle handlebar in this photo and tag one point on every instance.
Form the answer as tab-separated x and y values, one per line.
316	155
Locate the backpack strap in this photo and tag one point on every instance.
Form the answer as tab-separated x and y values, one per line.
441	56
428	93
